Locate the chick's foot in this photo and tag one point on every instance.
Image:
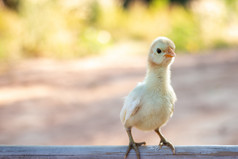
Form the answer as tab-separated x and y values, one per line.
163	142
134	145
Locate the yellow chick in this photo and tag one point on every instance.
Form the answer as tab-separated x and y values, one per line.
150	105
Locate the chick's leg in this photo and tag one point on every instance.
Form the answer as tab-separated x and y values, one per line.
133	144
164	142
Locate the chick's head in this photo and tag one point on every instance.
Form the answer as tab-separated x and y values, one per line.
162	51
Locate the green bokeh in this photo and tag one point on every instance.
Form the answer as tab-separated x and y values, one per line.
59	29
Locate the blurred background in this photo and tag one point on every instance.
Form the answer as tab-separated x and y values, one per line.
66	66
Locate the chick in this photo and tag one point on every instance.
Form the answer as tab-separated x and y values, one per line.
150	105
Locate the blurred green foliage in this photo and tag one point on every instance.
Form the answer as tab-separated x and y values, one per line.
68	29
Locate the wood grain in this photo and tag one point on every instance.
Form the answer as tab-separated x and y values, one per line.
117	152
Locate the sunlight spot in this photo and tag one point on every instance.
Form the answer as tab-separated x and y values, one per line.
104	37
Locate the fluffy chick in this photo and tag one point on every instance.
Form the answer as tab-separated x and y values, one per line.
150	105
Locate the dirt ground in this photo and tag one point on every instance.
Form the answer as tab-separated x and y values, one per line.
48	102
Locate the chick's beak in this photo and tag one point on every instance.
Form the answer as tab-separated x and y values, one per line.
170	53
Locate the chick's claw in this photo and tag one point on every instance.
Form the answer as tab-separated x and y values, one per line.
163	142
134	145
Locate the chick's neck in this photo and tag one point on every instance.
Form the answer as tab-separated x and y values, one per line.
158	77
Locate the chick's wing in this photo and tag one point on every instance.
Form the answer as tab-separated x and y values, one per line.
132	103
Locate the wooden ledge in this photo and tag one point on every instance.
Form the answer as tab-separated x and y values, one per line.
117	152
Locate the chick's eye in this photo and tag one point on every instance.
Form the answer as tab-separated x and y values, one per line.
158	50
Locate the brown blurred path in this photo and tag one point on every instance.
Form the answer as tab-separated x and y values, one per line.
47	102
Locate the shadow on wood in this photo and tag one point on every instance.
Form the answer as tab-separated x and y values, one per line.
117	152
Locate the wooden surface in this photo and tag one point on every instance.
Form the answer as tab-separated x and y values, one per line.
116	152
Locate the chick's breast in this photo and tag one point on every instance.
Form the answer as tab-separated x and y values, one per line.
155	111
